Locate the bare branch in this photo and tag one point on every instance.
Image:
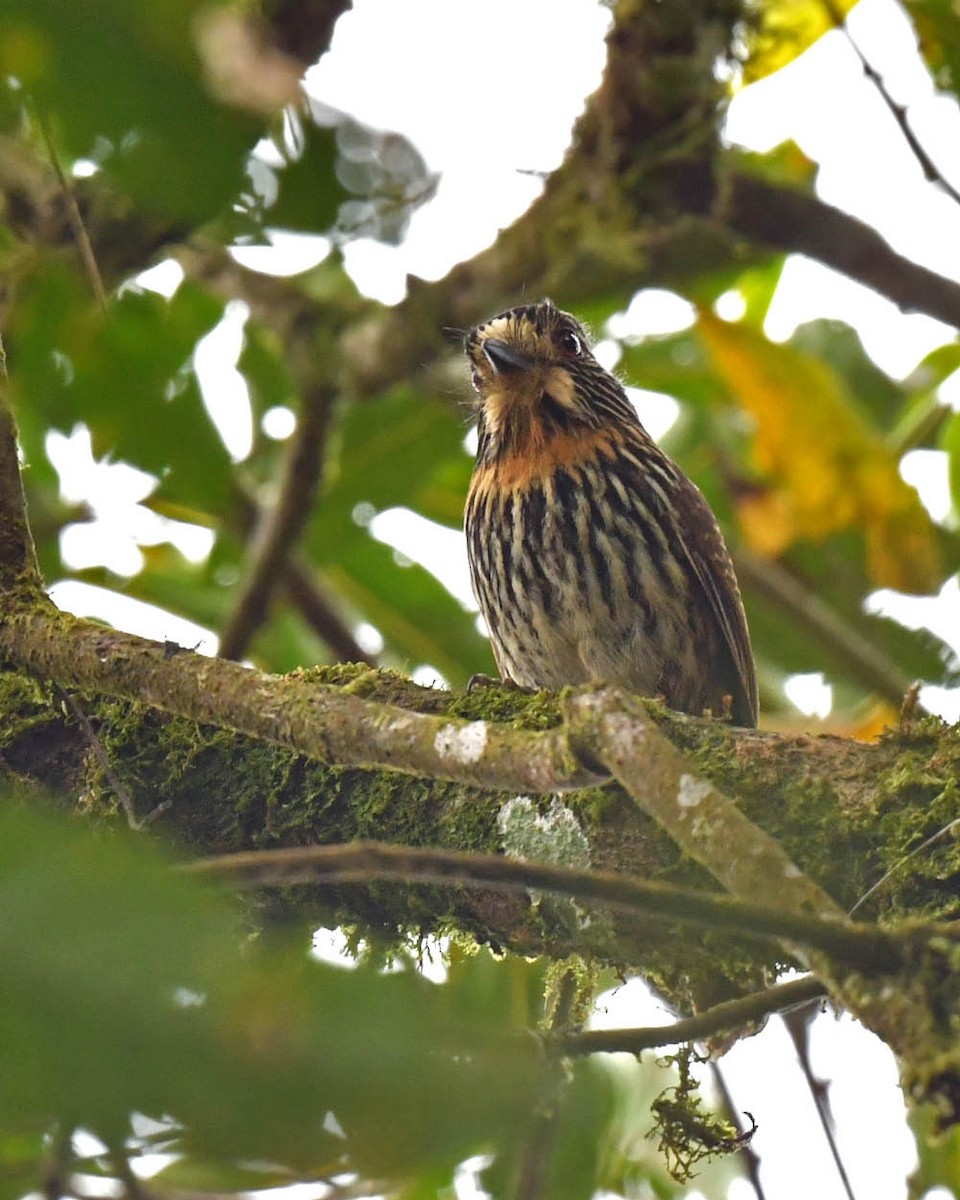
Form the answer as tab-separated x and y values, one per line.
279	528
799	223
721	1018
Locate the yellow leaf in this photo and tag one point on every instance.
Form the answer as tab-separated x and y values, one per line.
778	31
827	469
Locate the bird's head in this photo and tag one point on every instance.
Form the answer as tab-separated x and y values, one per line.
535	377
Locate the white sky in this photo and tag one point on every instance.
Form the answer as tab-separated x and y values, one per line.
484	109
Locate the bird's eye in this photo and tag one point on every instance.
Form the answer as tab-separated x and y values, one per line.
570	343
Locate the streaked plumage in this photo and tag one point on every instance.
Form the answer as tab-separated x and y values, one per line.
593	557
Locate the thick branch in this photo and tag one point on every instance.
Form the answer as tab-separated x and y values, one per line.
320	722
800	223
615	732
18	560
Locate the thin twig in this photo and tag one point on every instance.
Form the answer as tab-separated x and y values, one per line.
75	217
749	1156
798	1026
93	741
280	527
713	1021
931	172
865	946
942	832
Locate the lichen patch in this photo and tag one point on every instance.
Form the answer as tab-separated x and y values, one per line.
462	743
692	790
554	836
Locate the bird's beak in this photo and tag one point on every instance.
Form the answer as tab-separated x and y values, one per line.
502	356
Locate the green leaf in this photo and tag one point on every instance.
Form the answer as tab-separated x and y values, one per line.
310	194
401	449
950	441
127	375
418	618
125	87
939	34
126	990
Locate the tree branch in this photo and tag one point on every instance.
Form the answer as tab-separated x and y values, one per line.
320	722
860	945
719	1019
799	223
613	731
18	559
278	529
305	593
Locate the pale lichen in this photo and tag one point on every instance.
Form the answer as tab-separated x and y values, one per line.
692	791
462	743
554	836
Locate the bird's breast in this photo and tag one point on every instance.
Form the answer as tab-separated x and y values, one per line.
571	565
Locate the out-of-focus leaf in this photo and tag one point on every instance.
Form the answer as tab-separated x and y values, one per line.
419	619
826	468
867	388
402	449
950	441
126	990
19	1155
310	194
785	163
127	375
676	365
777	31
124	86
939	33
938	1151
262	366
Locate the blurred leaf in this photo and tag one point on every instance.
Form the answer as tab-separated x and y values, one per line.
939	34
777	31
262	366
869	389
419	619
126	990
401	449
310	194
950	441
827	469
676	365
125	87
127	375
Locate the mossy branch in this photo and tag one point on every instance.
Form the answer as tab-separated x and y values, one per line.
860	945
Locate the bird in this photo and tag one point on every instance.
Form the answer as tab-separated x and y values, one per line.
593	557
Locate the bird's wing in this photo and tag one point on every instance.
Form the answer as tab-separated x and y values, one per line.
709	559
